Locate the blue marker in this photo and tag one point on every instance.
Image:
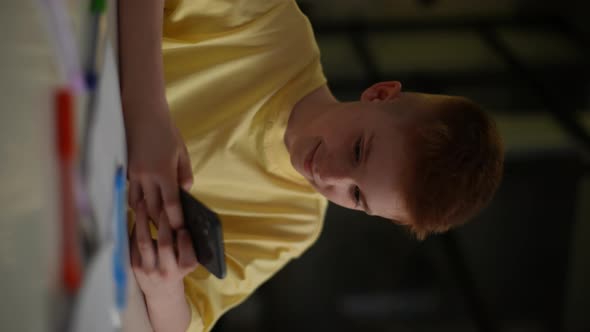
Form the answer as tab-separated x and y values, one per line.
121	251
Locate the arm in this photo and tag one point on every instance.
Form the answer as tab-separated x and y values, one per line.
140	45
256	247
160	272
157	156
171	313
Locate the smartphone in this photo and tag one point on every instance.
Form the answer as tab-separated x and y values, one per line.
206	234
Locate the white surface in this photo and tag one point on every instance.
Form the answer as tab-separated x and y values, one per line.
107	150
29	221
95	309
107	146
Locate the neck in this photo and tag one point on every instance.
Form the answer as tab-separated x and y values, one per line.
309	107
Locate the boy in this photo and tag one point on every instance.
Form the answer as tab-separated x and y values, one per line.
246	103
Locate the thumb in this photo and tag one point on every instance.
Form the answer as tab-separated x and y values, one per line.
185	171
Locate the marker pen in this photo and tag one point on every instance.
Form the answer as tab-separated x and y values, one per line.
66	146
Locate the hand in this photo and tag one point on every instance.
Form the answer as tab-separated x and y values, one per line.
158	160
159	267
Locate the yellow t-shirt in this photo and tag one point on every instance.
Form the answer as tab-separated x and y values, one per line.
234	70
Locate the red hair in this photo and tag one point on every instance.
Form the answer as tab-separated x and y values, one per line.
457	166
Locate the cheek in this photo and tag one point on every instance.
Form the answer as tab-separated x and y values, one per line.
330	124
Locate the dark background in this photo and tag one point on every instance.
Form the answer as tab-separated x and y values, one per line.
522	264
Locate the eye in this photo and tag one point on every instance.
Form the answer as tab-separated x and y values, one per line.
357	150
357	196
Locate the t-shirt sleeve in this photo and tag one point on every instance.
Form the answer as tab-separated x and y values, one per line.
196	323
196	19
255	249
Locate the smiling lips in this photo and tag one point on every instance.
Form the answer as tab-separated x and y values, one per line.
309	160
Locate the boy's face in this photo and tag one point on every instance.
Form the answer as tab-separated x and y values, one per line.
355	155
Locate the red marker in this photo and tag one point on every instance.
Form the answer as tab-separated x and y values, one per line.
66	147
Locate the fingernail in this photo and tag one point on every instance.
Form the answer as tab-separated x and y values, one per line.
187	185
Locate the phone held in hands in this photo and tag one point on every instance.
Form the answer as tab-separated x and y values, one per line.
206	234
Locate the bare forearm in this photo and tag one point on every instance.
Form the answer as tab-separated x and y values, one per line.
140	47
171	314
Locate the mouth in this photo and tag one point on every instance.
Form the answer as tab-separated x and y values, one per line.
308	164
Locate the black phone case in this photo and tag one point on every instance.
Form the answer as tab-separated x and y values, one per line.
205	231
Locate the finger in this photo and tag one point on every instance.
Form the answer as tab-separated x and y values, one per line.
172	204
135	258
144	239
134	194
187	261
185	171
166	256
153	198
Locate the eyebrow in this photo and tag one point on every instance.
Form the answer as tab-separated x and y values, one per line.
368	148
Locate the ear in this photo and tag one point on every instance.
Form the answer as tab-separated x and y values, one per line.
382	91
